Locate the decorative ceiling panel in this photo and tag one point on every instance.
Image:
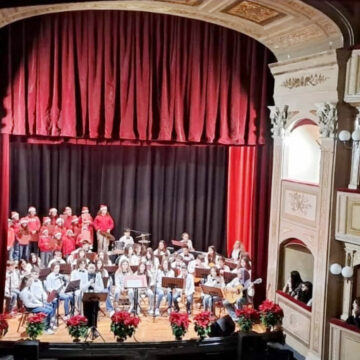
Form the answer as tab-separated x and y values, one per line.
254	12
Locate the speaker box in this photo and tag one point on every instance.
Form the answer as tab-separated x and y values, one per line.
224	326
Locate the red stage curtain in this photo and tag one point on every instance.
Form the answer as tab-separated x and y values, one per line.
4	208
249	191
241	191
133	76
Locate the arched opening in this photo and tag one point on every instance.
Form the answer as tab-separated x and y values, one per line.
295	256
302	153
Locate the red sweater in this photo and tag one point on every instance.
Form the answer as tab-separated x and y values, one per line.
68	245
103	222
10	237
46	243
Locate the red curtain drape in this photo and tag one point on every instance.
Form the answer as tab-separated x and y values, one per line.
241	192
249	190
4	209
132	76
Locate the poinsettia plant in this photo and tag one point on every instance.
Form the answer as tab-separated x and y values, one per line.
246	317
4	325
179	324
271	314
77	327
35	325
202	323
123	325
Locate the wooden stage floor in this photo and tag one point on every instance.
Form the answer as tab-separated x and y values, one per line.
148	330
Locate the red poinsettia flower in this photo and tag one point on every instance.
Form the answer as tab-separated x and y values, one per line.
77	320
123	317
179	319
36	318
203	319
248	312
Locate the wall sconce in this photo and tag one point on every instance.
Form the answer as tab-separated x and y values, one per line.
347	271
345	137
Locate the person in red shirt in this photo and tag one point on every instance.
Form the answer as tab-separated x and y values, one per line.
86	219
67	216
46	246
68	243
75	227
24	237
57	240
46	224
10	240
53	215
103	224
59	227
15	224
34	226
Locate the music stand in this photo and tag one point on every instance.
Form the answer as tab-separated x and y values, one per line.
201	273
172	283
134	268
136	282
228	276
94	298
212	291
65	269
72	287
44	273
230	263
178	243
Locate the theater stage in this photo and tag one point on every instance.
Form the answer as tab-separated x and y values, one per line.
148	330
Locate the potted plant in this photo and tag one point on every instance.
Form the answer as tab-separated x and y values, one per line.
123	325
271	314
179	324
77	327
246	317
4	325
35	325
202	324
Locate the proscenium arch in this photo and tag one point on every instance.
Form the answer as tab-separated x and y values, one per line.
289	28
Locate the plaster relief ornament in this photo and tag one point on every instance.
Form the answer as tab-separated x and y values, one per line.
327	114
278	117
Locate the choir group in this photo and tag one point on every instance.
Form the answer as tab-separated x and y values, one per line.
45	257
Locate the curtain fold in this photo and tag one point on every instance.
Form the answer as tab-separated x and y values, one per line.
4	209
133	76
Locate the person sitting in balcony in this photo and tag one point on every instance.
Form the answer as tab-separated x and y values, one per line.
354	318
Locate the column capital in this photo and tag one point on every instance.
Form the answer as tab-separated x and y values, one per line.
278	117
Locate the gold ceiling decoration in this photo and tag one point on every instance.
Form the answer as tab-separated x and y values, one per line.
254	12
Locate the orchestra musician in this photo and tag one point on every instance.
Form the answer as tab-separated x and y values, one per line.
12	286
80	274
126	239
142	270
210	258
33	304
56	259
164	271
237	249
102	288
189	289
103	223
185	239
122	271
240	285
214	280
185	254
161	250
221	265
57	282
197	263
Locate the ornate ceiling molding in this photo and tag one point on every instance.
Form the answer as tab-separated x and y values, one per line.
290	28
